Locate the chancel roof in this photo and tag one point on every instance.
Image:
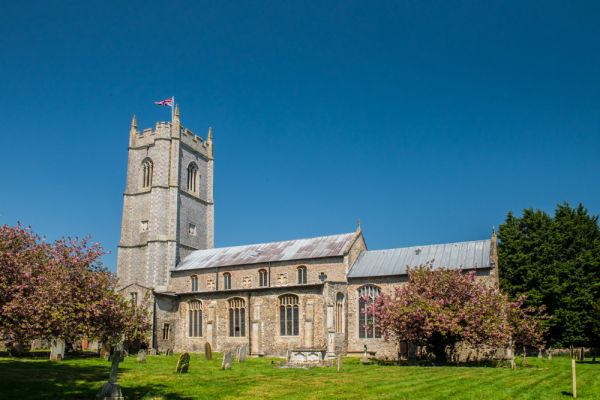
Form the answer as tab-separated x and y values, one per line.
300	249
462	255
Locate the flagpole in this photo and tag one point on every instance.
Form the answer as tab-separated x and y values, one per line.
172	108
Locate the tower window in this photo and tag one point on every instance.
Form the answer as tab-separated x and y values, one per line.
144	226
263	278
192	178
194	283
134	298
147	168
302	275
192	230
226	280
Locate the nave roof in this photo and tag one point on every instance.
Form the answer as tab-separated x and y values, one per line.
299	249
462	255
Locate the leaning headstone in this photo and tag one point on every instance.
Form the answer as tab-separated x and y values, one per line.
141	356
340	363
243	353
183	364
207	351
57	349
169	352
227	360
111	389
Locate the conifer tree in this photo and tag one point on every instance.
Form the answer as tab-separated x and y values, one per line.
555	262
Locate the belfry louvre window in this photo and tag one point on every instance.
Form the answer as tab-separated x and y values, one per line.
147	168
226	280
366	320
192	178
194	283
288	315
237	317
195	319
302	275
263	278
339	313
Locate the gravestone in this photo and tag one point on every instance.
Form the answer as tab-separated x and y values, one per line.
340	363
152	352
111	389
141	357
207	351
365	358
57	349
243	353
183	364
105	351
227	360
169	352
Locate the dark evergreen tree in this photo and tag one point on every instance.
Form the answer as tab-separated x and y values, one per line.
555	261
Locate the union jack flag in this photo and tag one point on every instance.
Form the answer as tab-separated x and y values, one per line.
166	102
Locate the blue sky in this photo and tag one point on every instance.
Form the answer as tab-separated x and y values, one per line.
426	120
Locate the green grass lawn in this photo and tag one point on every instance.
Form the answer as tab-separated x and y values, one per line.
258	379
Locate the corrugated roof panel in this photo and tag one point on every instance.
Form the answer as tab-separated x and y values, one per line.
463	255
323	246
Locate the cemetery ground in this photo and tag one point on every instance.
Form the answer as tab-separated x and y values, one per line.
258	378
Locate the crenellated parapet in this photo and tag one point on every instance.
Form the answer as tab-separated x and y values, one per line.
170	131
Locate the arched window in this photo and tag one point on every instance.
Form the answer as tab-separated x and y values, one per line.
288	315
194	283
194	319
237	317
192	178
226	280
366	320
147	173
263	278
339	313
302	275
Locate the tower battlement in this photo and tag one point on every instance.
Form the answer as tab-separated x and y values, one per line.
169	131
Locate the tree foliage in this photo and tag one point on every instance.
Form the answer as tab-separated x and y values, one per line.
440	308
555	262
59	290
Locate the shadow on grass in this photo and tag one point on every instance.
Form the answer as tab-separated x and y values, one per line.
36	379
565	393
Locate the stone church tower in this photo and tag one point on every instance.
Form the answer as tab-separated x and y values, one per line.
168	208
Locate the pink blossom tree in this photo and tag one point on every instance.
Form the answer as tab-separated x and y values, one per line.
60	291
437	309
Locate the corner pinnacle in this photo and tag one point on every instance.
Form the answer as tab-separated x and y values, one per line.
133	122
176	112
209	137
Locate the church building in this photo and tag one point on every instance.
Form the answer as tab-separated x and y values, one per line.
304	295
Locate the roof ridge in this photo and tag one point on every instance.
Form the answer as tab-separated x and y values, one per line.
277	241
428	245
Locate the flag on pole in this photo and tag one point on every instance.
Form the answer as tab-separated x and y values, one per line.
167	102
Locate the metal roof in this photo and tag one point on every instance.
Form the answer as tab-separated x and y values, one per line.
301	249
462	255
